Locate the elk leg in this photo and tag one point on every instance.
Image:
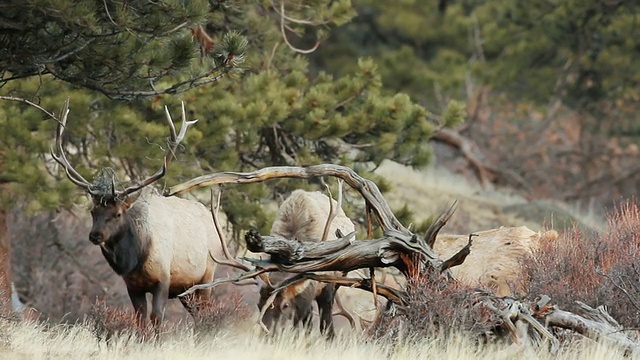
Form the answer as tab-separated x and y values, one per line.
303	314
325	307
139	302
160	295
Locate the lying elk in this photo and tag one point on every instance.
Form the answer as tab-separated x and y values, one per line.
159	245
497	257
304	216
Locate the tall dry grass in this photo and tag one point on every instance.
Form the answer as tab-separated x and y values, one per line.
244	341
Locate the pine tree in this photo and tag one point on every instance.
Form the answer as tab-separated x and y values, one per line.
121	49
277	112
539	70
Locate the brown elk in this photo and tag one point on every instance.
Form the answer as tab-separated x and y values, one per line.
304	216
158	245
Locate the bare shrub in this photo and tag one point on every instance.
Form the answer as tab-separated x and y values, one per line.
108	322
434	310
54	266
598	269
210	316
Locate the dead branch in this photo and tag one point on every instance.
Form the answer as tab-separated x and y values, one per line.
434	229
470	152
290	251
367	188
459	257
358	254
597	325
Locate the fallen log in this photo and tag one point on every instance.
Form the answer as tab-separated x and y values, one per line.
597	324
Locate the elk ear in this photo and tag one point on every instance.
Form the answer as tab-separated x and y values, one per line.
130	199
296	289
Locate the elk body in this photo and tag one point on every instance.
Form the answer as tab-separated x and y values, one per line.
496	258
158	245
303	216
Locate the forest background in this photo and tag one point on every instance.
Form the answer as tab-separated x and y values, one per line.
536	99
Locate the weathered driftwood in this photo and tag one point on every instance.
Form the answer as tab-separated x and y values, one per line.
288	251
375	202
528	323
596	324
367	188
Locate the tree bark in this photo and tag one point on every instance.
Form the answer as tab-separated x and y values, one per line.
5	259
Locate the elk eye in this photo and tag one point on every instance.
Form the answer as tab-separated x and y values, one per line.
118	215
285	305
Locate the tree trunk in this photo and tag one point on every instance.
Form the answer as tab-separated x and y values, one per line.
5	259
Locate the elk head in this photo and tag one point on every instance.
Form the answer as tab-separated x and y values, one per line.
291	304
109	204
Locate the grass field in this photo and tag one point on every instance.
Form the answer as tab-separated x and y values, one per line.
31	341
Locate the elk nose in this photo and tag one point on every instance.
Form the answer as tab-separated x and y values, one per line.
95	237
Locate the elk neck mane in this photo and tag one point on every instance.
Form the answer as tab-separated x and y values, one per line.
129	249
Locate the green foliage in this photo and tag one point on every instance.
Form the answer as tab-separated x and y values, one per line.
119	49
421	51
454	114
583	53
277	113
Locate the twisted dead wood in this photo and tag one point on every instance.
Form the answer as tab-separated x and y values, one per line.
367	188
527	323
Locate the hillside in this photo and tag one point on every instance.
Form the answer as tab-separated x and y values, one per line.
429	191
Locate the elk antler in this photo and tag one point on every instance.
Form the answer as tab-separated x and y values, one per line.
342	311
77	179
173	143
333	211
61	158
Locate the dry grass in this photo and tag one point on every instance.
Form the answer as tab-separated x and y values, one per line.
430	191
33	341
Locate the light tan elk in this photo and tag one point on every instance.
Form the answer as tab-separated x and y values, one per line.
304	216
496	258
159	245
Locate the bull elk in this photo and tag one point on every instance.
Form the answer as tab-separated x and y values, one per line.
158	245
